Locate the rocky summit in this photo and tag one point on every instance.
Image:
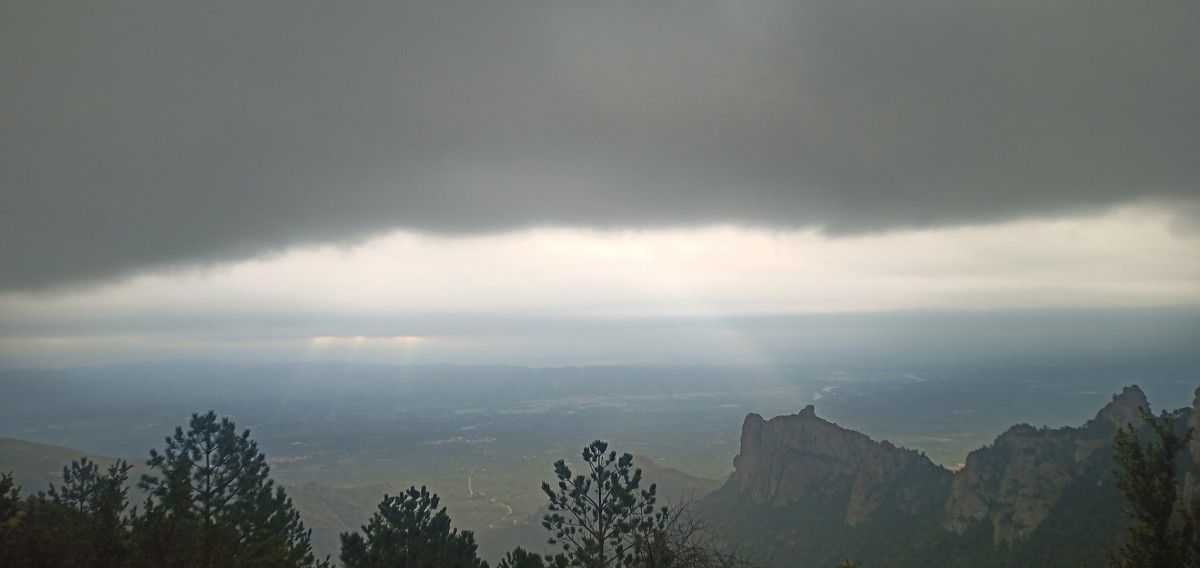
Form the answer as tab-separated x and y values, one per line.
792	459
1012	485
797	475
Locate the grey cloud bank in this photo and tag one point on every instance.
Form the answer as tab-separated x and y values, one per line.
138	135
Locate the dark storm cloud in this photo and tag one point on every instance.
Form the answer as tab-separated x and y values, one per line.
155	133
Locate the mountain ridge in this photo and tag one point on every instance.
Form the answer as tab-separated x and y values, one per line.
808	490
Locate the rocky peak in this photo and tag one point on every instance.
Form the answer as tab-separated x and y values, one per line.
1125	408
802	458
1058	481
1014	483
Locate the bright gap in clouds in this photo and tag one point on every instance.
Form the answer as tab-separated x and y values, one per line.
555	289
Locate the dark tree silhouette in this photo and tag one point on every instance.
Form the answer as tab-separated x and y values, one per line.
212	503
409	530
521	558
82	522
10	512
99	501
596	517
1164	532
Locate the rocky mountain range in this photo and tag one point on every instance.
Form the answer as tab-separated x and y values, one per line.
811	492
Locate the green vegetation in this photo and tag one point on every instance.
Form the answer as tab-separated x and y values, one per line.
210	501
521	558
10	502
603	518
1165	531
410	530
79	523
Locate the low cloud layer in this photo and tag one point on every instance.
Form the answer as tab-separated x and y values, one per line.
139	135
569	296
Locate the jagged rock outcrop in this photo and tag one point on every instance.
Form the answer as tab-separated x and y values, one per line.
1125	408
811	492
802	458
1014	483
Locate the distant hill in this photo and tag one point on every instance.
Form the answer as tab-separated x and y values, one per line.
674	486
331	510
34	466
811	492
327	510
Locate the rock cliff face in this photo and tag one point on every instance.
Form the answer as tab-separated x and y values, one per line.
810	491
802	458
1013	484
1125	408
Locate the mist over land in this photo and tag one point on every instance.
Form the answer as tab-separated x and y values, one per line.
483	437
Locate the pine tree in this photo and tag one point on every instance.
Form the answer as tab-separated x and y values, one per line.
81	522
1147	475
409	530
10	501
97	503
521	558
212	503
10	517
597	518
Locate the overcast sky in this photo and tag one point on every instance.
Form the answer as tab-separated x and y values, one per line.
550	182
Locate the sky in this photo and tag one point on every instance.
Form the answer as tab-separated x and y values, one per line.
568	182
